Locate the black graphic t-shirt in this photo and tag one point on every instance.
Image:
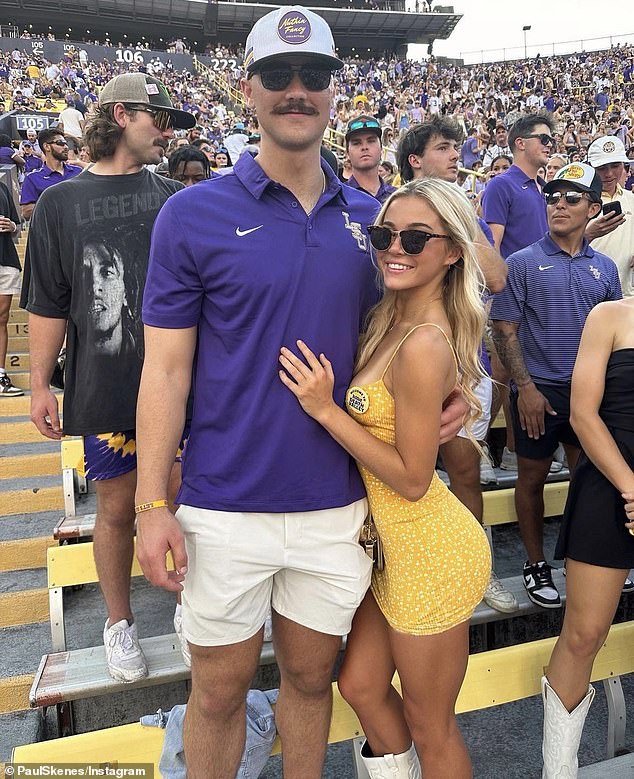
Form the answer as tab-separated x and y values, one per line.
86	261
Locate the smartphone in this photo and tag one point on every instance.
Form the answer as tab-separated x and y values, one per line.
613	208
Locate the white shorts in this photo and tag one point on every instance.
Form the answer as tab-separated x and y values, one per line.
10	281
308	566
484	393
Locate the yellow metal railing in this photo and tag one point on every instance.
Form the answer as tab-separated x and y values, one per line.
220	82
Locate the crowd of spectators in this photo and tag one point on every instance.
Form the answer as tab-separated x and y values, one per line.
588	94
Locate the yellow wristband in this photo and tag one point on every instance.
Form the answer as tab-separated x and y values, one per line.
155	504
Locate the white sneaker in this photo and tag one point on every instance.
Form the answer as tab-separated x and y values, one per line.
509	460
498	597
556	467
124	656
487	474
178	627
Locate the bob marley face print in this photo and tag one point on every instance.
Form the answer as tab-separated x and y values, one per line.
111	286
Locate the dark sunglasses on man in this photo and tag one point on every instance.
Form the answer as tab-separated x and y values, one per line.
571	198
278	77
544	138
162	119
412	241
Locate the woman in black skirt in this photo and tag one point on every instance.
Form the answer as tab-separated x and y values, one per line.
595	535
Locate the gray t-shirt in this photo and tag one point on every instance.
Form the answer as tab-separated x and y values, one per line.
86	261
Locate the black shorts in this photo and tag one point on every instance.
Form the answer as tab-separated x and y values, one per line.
557	429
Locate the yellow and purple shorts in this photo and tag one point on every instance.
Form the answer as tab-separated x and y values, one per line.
108	455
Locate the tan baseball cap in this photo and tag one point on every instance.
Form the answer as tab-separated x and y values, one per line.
141	89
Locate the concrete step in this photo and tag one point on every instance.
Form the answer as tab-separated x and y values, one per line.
617	768
25	553
17	527
18	362
45	464
17	328
18	343
21	431
31	500
18	315
20	727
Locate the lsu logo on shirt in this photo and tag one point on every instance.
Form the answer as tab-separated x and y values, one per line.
357	231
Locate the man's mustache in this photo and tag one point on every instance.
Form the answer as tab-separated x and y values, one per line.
295	108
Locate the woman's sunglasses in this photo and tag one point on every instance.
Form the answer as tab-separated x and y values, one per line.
412	241
162	119
313	78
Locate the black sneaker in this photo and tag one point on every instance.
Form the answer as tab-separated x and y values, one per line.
7	389
539	585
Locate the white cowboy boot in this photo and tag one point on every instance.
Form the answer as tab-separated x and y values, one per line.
562	733
403	766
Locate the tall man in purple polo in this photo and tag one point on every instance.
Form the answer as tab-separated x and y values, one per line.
363	144
551	288
271	507
514	209
55	169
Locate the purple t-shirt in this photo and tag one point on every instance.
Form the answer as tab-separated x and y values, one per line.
469	155
515	201
36	182
238	258
6	155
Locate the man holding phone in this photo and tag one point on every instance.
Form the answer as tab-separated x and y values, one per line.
612	233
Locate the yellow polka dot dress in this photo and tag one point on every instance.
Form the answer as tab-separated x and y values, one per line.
437	557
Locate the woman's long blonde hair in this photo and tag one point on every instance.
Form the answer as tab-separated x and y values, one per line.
462	288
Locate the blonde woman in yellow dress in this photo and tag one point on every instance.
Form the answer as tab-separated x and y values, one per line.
421	340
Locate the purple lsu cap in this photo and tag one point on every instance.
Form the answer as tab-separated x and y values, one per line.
290	30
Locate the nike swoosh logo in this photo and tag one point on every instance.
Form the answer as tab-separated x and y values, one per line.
240	232
524	186
545	267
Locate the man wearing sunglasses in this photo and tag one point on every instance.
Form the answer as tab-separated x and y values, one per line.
86	262
270	507
514	209
512	204
538	319
55	169
363	145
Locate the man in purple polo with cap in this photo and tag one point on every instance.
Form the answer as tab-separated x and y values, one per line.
271	507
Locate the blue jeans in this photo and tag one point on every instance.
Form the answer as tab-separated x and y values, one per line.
257	749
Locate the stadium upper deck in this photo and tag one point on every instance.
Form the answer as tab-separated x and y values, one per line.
357	25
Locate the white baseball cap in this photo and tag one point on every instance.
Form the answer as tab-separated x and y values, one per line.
290	30
605	150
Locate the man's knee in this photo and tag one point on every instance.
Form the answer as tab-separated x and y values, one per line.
309	678
220	680
115	501
532	474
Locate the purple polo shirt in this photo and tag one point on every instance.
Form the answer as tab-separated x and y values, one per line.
36	182
239	259
550	294
515	201
32	163
385	190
